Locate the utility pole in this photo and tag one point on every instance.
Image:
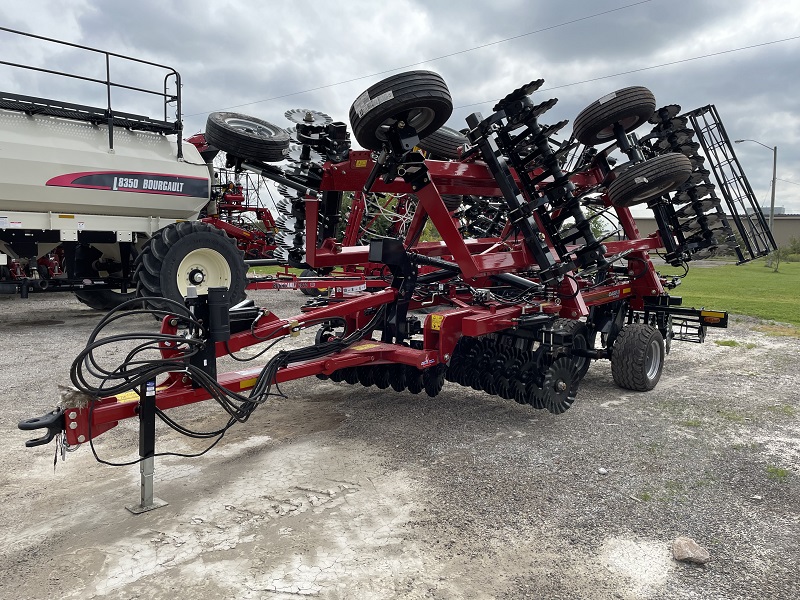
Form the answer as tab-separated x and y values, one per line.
774	150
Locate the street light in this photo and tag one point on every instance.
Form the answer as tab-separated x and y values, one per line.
774	150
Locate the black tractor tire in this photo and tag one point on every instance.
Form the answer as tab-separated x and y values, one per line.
313	292
79	265
649	179
443	144
189	253
630	107
637	357
247	137
580	339
418	98
104	299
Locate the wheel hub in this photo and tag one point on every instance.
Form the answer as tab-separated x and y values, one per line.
196	276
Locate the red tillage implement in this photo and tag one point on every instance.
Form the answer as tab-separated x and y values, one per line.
518	298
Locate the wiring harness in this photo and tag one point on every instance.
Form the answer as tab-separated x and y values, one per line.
145	362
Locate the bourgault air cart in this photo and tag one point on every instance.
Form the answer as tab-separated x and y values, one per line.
520	314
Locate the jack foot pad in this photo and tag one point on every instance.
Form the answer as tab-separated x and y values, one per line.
138	509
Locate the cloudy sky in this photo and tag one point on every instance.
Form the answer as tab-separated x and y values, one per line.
263	58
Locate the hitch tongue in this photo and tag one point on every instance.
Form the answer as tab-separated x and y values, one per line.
53	422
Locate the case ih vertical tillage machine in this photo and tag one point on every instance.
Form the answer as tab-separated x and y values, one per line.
520	314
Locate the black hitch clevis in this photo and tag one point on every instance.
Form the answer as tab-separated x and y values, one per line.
53	422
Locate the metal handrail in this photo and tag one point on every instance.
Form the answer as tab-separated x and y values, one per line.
109	84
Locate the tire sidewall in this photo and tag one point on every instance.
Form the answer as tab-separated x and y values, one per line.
410	90
624	191
629	357
271	147
635	102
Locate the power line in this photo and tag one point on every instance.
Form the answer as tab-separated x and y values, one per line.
787	181
667	64
416	64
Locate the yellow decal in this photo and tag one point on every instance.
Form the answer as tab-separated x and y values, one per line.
626	290
247	383
361	163
127	397
365	346
131	396
714	314
68	217
436	322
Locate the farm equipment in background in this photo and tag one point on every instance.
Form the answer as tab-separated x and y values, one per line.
520	314
236	209
102	202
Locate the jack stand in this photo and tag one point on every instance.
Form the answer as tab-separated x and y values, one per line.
147	449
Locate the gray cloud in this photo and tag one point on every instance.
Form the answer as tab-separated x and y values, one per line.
238	53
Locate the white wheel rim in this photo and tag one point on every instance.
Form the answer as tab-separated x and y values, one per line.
653	359
203	268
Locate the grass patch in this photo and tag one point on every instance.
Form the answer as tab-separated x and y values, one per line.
674	488
654	448
777	473
735	344
748	446
778	330
731	416
273	270
782	409
644	496
692	423
750	289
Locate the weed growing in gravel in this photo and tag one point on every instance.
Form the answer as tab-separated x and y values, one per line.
674	489
779	330
734	344
732	416
749	446
777	473
645	496
692	423
705	481
783	409
655	448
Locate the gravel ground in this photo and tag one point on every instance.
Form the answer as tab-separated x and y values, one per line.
345	492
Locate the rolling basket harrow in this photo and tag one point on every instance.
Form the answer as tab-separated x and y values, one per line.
520	295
